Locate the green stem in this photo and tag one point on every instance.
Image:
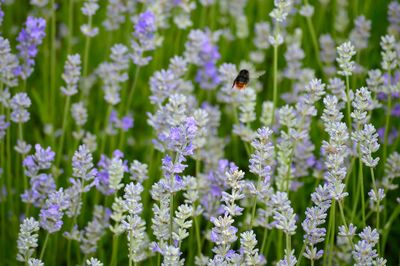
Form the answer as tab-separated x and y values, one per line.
275	84
44	246
300	257
135	79
114	251
348	104
64	126
70	24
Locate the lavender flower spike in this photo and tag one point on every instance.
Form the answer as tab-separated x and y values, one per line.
29	38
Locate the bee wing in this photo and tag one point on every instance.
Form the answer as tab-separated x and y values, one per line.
258	74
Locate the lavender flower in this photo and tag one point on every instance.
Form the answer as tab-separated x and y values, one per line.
93	262
19	103
251	253
79	113
364	252
116	172
389	54
201	51
346	52
89	9
262	160
8	63
394	17
95	229
115	15
29	39
35	262
72	72
82	164
51	213
27	239
360	34
114	73
367	139
143	38
3	126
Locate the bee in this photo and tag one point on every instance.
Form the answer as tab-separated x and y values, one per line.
242	79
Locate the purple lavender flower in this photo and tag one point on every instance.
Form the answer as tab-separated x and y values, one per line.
41	186
29	38
396	110
52	212
1	12
3	126
143	38
201	51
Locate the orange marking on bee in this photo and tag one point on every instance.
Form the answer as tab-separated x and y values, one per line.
240	85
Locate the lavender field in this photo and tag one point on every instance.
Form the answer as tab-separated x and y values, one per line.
199	132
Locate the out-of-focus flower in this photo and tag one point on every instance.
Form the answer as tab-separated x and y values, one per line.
89	9
19	103
3	126
72	72
360	34
8	64
29	39
143	38
116	10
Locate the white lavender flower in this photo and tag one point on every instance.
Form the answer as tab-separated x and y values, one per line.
392	171
8	63
89	9
345	53
35	262
394	18
19	103
93	262
389	54
248	243
115	14
94	230
360	34
281	10
138	171
307	10
375	80
71	75
362	104
367	141
262	30
284	215
27	239
116	173
79	113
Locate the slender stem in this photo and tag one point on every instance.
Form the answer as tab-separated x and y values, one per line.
44	246
348	104
275	84
377	207
135	79
344	221
53	55
314	39
387	126
288	248
114	254
301	254
70	24
265	236
362	191
198	238
64	126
